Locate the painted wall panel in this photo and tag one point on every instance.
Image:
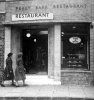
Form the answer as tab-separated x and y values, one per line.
63	10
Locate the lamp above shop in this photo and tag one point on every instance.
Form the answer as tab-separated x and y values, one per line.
28	35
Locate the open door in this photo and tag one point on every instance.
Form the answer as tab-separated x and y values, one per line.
35	51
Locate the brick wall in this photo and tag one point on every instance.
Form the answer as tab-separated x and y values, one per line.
2	39
76	77
1	46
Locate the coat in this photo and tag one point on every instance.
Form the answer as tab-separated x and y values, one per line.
8	72
19	71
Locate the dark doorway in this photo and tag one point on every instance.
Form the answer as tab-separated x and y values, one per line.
35	51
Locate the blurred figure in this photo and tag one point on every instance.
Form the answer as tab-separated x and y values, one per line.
20	71
8	72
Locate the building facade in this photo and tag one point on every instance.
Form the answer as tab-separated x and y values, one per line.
56	37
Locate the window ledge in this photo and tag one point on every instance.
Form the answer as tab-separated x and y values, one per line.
76	70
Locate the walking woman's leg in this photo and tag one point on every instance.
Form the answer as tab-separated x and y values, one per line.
23	82
2	82
17	84
12	82
12	79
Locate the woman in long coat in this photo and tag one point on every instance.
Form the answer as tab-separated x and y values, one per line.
8	72
19	72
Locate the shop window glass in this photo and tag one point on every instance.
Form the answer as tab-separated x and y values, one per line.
75	50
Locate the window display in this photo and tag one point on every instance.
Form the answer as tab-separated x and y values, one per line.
74	51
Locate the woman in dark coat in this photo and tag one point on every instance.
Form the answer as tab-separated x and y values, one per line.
8	72
19	72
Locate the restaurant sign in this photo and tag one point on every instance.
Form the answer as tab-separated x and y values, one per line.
32	16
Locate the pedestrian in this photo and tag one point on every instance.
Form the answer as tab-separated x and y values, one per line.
8	72
19	71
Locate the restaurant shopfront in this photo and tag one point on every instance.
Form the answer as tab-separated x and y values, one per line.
56	38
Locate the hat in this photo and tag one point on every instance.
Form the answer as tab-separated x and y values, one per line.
10	54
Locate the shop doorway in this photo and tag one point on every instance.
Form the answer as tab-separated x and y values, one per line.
35	51
75	46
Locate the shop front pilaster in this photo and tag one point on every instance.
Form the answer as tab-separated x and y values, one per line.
51	52
7	43
57	52
15	44
92	50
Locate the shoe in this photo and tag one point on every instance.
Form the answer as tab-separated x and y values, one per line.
2	85
13	84
17	85
24	85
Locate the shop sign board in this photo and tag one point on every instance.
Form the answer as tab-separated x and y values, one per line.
32	16
56	10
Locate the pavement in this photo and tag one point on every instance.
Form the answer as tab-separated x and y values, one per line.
39	88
